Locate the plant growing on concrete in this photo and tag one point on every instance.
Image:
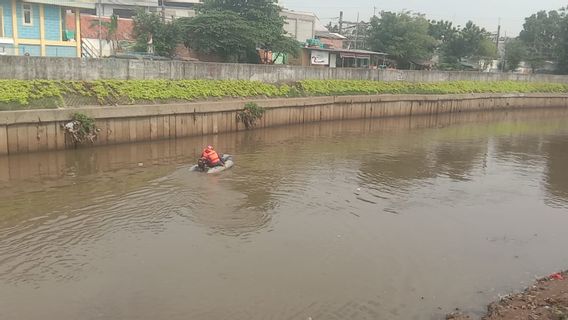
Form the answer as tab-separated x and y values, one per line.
362	87
81	128
250	114
42	94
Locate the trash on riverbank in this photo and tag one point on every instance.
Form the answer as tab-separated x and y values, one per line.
546	299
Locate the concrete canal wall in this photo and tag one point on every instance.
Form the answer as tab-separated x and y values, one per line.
31	68
39	130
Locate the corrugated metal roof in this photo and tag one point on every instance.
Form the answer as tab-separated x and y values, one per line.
138	3
91	4
300	13
85	4
330	35
349	51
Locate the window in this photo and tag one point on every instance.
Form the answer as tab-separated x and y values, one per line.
92	12
27	13
124	13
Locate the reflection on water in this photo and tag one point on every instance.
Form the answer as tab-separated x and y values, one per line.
556	150
391	218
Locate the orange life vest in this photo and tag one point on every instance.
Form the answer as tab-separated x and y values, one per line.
211	156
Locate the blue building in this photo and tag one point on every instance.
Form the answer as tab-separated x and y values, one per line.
39	27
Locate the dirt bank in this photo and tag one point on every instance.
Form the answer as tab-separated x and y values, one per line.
547	299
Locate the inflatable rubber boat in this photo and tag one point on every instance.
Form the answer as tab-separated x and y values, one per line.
228	159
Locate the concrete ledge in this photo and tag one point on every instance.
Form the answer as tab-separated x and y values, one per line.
51	115
40	130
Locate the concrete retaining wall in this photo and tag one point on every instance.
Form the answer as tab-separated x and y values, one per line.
31	68
39	130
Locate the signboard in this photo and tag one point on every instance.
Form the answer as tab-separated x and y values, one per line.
320	57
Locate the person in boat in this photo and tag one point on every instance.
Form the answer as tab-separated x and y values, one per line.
211	158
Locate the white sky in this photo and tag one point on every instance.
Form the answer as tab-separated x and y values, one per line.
485	13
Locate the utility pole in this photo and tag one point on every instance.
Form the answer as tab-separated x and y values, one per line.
498	35
340	22
497	45
505	53
357	31
374	11
100	30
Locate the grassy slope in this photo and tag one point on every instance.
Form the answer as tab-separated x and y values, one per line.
16	94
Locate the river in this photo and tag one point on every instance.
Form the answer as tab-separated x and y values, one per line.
402	218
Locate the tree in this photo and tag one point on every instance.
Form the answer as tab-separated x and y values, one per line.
470	42
541	32
111	27
442	30
403	36
562	46
474	41
515	52
285	45
445	34
223	32
332	27
152	32
485	53
258	21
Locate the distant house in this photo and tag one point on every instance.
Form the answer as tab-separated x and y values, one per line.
338	58
323	48
173	9
122	8
170	9
38	28
330	40
92	31
94	36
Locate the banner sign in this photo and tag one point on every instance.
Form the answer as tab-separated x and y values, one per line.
320	57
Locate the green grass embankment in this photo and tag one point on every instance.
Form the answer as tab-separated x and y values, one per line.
43	94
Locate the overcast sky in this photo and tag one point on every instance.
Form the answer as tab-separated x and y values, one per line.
485	13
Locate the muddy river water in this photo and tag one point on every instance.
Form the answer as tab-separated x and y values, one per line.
402	218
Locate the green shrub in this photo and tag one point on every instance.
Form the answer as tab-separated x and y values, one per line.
355	87
250	114
21	94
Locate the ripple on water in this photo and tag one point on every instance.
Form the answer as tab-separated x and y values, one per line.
43	248
350	221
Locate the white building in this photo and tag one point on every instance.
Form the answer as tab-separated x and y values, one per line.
179	8
301	25
127	8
